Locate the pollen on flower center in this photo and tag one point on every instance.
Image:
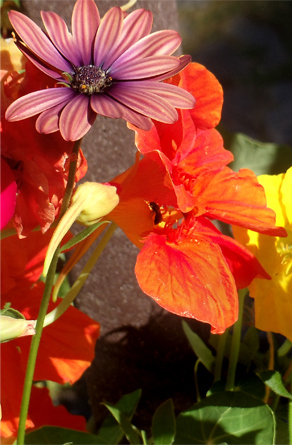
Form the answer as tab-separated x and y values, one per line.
90	79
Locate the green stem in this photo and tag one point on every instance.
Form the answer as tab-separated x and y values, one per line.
196	380
290	421
69	298
235	344
220	355
44	306
34	349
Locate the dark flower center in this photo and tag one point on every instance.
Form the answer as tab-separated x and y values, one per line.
90	79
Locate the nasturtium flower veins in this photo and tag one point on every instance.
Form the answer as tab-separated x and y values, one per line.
111	66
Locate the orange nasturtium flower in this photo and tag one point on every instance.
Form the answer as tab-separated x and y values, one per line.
167	202
273	299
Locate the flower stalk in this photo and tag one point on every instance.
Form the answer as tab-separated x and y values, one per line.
44	306
235	344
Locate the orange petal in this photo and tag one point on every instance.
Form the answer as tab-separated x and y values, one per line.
190	278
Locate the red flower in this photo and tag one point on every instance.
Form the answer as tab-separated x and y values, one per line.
57	360
39	162
24	258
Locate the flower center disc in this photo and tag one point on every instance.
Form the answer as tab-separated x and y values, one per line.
90	79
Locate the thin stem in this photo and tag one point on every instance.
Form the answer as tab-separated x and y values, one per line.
196	380
235	344
271	363
34	349
63	306
290	421
220	355
44	305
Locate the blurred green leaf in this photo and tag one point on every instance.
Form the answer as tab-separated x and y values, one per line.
273	380
231	417
13	313
55	435
112	433
163	424
261	158
199	347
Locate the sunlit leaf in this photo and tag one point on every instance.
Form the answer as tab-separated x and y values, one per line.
231	417
273	380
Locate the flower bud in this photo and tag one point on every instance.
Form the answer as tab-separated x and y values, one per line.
15	327
97	201
90	203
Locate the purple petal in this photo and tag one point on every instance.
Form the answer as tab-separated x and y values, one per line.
107	106
156	44
136	25
61	37
108	34
85	23
176	96
145	103
183	62
39	63
143	68
76	118
48	121
138	119
37	41
36	102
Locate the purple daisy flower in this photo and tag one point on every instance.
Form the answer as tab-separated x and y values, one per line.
109	66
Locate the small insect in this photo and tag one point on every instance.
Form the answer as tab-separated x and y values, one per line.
156	209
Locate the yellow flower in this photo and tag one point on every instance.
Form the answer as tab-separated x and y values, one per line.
273	299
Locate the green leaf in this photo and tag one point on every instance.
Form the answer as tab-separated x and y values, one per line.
261	158
55	435
250	384
112	433
125	424
82	235
199	347
13	313
273	380
282	424
163	424
229	417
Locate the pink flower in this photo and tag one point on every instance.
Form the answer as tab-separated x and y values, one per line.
111	67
